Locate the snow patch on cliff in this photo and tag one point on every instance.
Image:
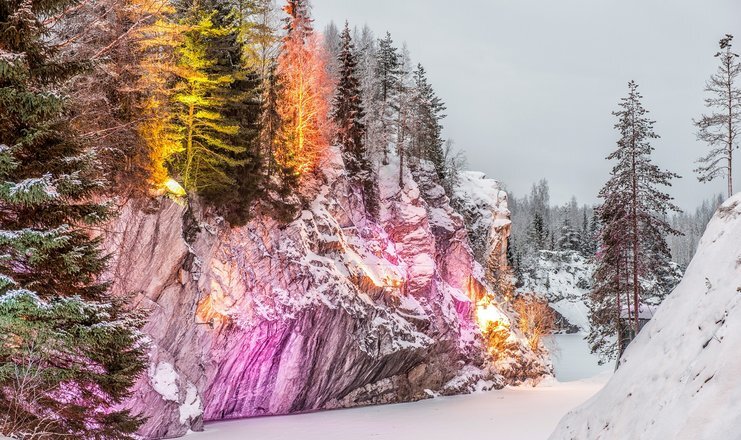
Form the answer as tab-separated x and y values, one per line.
164	380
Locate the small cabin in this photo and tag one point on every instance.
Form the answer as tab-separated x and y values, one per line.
627	329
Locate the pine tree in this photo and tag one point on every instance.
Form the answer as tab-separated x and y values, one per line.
209	146
427	142
538	235
720	128
348	115
388	64
405	115
585	244
569	238
68	352
302	99
634	227
241	60
155	39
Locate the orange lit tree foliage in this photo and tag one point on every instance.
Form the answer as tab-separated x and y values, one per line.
535	318
157	38
304	92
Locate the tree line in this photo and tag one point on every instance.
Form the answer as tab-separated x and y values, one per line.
637	230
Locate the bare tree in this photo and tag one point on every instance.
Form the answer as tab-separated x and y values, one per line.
719	129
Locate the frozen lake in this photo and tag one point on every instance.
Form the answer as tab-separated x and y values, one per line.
522	413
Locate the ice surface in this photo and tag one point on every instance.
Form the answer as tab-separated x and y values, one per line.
522	413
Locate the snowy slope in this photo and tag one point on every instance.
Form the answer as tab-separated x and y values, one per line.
681	378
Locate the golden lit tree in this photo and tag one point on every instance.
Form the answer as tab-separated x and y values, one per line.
206	149
304	93
157	37
535	318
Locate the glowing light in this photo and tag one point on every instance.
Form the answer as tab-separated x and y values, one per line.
489	317
174	188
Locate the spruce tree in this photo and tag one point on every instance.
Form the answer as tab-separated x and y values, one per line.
427	140
720	129
537	234
569	238
387	73
209	145
633	220
241	60
68	352
348	115
302	99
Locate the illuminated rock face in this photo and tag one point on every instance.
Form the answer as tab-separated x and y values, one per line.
332	310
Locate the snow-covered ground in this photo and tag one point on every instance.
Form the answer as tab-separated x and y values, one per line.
572	359
679	379
522	413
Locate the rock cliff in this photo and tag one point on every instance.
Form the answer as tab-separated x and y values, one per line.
334	309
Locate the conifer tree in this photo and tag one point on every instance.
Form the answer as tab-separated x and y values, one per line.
348	115
68	352
427	134
209	147
155	39
634	226
538	234
405	115
303	95
720	129
569	238
386	97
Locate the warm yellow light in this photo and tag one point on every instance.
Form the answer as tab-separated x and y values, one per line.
174	188
488	315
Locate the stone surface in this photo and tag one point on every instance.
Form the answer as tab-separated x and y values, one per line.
332	310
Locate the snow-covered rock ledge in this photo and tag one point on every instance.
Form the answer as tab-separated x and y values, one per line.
680	378
332	310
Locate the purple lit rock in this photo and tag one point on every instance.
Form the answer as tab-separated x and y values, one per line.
332	310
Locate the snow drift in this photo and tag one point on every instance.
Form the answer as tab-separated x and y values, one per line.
680	378
332	310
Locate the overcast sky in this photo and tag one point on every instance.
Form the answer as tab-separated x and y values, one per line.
530	84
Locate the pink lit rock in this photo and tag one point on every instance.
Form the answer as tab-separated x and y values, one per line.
332	310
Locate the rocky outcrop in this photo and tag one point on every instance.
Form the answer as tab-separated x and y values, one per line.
332	310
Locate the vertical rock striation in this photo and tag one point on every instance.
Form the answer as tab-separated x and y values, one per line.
332	310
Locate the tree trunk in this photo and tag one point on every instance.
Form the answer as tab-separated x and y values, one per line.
634	225
730	132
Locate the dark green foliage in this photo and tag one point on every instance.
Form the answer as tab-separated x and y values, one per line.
68	353
427	141
347	115
634	252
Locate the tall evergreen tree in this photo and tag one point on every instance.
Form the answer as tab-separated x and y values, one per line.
427	141
720	129
388	64
568	240
68	352
303	94
538	234
348	115
633	218
405	115
208	147
153	66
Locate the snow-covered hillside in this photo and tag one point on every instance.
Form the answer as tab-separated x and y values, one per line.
680	378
